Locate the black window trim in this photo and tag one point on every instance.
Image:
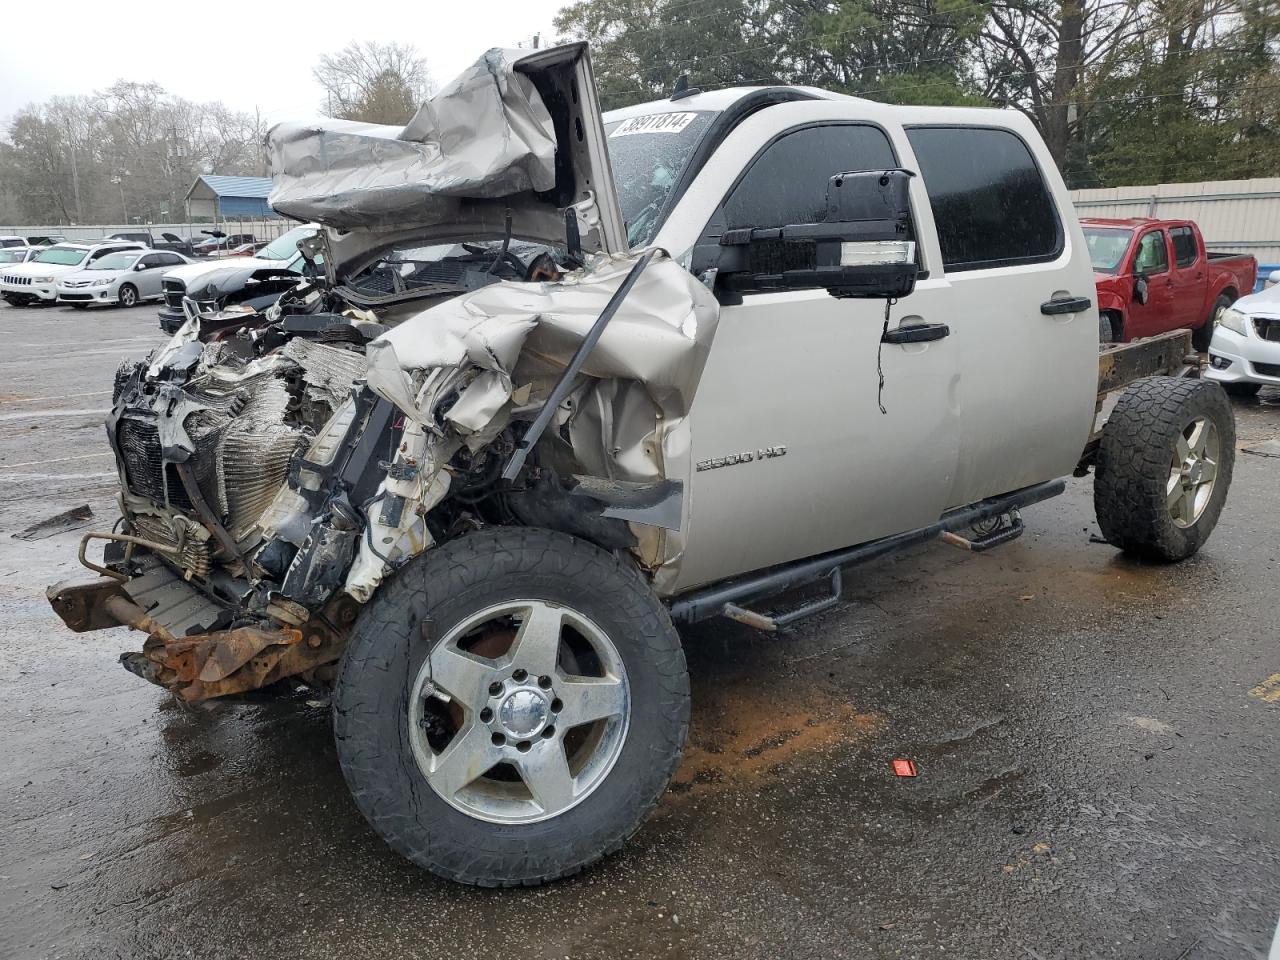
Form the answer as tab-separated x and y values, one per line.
703	234
1060	241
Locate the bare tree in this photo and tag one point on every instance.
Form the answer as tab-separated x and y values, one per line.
373	82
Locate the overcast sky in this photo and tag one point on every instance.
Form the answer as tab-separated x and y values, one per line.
245	54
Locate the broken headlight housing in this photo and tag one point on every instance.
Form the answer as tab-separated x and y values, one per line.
1234	321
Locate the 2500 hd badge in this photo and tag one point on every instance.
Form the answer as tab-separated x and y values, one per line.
733	459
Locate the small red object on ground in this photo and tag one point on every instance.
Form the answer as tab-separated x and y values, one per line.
905	768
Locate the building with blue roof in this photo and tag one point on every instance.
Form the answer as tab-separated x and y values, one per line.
229	198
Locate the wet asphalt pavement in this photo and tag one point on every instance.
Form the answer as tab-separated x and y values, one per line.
1096	749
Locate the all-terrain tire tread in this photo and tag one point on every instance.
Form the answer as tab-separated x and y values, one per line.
1134	458
380	641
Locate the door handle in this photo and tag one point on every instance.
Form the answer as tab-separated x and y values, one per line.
1061	305
916	333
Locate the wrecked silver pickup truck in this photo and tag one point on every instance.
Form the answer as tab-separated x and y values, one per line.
781	332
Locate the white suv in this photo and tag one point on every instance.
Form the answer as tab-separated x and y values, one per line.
36	281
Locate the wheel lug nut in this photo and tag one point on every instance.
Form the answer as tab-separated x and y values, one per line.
486	715
544	683
548	733
498	739
557	705
495	688
520	676
523	746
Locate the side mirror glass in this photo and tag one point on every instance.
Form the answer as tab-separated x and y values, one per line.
861	249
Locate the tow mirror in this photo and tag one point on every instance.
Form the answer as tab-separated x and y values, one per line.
862	247
1141	290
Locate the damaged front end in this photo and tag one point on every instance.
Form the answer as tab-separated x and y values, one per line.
276	467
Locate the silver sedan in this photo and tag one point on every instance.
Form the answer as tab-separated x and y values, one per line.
125	278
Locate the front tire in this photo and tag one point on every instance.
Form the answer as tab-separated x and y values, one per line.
510	707
1164	467
128	295
1202	337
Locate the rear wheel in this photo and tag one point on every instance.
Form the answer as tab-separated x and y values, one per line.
128	295
1201	338
510	707
1164	467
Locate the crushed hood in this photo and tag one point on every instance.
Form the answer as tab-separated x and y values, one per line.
517	134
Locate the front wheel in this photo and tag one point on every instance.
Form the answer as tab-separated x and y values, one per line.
1202	337
1164	467
128	295
511	707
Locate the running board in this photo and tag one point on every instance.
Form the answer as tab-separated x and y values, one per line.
728	598
774	622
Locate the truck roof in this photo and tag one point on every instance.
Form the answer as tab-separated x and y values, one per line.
1131	222
723	99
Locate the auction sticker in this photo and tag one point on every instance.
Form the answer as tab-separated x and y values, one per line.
654	123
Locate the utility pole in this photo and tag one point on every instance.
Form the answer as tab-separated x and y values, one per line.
119	182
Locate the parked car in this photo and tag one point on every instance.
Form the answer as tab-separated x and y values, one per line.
17	254
167	241
36	280
219	241
244	249
280	254
482	526
12	242
45	241
1157	275
125	278
1244	355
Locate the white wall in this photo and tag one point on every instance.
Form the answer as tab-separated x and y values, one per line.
1234	215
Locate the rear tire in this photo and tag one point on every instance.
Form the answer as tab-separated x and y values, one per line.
1243	390
446	623
1164	467
1201	338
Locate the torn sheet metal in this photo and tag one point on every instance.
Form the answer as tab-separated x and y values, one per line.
486	134
523	331
513	142
513	340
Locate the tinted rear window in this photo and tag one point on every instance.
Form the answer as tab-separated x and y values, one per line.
1184	246
990	203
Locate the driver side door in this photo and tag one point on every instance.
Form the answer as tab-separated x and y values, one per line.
797	447
1151	263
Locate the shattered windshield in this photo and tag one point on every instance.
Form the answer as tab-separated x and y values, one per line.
648	154
1106	247
63	256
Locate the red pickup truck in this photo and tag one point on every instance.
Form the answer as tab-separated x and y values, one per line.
1156	275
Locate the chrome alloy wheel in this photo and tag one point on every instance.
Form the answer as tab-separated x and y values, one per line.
1194	471
519	712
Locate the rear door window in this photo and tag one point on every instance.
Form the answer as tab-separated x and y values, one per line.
1185	251
990	202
